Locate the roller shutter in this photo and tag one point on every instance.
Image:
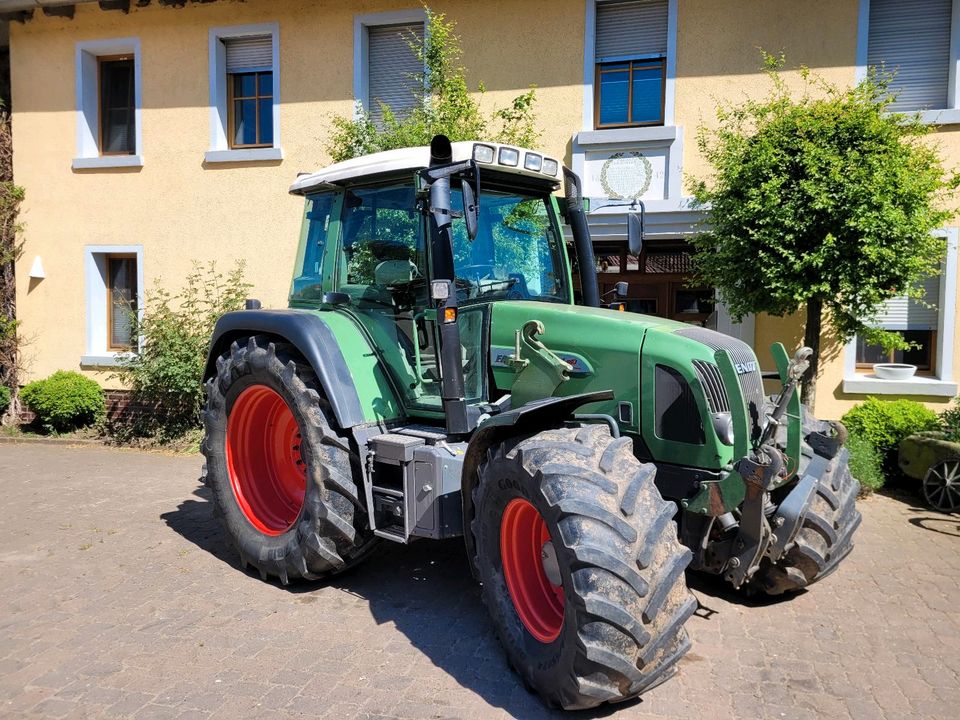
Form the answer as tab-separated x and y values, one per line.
249	54
392	66
903	313
631	28
912	37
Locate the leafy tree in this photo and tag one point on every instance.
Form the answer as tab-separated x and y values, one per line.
824	201
443	105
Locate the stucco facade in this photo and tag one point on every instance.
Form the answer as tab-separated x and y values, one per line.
177	207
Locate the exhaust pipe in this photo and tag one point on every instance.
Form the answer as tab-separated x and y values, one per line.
577	220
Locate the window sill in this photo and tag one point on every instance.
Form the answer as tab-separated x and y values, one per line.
950	116
107	360
917	385
648	133
107	161
243	155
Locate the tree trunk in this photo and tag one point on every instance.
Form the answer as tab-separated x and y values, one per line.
811	338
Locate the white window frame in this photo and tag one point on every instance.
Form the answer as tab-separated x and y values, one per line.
943	383
88	104
220	150
361	47
98	353
949	115
590	65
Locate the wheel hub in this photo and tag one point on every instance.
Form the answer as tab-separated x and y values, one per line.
264	460
941	486
551	566
531	570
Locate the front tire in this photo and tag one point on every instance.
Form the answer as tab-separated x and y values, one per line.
825	537
281	477
581	568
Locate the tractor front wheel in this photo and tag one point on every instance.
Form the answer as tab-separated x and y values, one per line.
281	476
581	568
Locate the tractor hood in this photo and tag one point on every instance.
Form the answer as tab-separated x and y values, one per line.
629	354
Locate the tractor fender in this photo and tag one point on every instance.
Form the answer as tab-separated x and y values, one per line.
526	420
312	338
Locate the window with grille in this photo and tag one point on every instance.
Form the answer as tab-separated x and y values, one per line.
117	105
121	301
631	56
911	38
394	70
249	67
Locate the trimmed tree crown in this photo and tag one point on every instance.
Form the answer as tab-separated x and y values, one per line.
826	197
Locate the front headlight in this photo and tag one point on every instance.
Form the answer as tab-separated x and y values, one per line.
723	426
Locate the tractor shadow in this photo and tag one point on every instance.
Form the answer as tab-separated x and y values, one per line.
426	591
714	586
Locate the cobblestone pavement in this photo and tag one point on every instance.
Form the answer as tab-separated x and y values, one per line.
122	598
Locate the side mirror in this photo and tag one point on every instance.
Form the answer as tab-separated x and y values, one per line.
437	177
635	231
621	289
471	207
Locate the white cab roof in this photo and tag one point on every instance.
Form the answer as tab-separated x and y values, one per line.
416	158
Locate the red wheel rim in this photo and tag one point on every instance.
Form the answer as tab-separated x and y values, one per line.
523	539
267	473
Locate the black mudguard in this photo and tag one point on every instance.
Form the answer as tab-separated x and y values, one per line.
312	338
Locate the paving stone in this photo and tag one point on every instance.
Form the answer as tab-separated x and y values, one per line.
134	606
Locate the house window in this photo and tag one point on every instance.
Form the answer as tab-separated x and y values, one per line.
117	105
113	278
249	67
121	301
244	94
916	321
108	104
631	56
393	69
912	39
931	324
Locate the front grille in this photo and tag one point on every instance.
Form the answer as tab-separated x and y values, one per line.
751	383
709	376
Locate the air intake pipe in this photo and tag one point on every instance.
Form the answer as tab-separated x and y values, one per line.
577	219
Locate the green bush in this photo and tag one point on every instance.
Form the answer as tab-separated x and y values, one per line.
950	419
865	464
65	401
884	423
4	399
166	375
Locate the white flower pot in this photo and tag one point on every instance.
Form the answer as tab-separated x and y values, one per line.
894	371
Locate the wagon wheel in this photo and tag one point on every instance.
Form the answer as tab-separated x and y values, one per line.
941	485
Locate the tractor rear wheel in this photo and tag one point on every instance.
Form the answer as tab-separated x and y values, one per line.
281	477
826	533
581	568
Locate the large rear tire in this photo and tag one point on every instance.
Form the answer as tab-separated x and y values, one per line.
581	568
281	476
826	534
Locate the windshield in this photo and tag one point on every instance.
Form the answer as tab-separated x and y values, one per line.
516	254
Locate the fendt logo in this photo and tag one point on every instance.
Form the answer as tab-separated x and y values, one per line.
744	368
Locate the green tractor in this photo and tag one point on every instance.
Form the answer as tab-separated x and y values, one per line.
433	378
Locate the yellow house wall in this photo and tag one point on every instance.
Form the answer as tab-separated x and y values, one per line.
183	211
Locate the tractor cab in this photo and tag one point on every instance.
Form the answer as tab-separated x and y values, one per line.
366	250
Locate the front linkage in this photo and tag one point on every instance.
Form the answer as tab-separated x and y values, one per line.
767	532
